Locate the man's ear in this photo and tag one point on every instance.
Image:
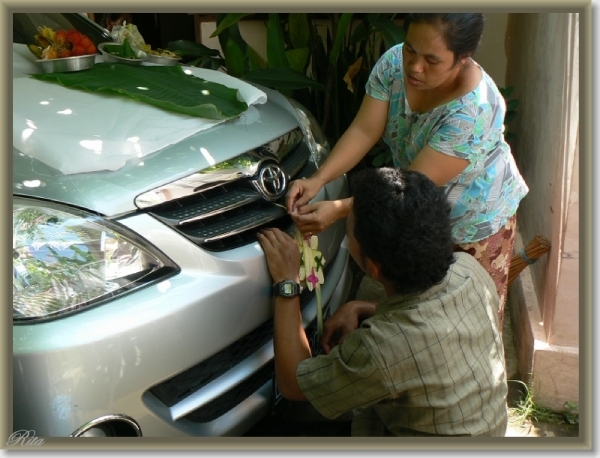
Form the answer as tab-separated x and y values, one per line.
373	269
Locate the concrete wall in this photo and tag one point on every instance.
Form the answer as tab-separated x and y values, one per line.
491	54
545	76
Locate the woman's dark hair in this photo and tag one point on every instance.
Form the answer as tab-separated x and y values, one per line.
461	31
402	222
104	18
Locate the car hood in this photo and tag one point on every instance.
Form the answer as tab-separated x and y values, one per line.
112	192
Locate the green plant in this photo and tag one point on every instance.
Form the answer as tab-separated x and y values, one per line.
527	409
572	413
321	60
511	111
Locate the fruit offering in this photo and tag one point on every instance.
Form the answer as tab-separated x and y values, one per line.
61	43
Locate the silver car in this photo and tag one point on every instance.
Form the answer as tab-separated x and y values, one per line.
141	298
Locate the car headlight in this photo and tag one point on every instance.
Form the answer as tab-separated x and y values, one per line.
66	260
316	139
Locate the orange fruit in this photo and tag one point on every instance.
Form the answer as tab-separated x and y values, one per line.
78	50
74	36
91	49
64	53
61	38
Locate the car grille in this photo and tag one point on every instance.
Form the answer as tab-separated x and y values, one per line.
223	207
172	391
177	388
219	406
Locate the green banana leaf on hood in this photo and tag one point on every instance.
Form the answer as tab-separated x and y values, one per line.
167	87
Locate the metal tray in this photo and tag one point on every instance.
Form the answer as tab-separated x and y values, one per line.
108	57
162	60
67	64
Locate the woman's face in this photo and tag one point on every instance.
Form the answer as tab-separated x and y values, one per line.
428	63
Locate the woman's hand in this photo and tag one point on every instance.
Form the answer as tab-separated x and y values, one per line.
301	192
314	218
345	320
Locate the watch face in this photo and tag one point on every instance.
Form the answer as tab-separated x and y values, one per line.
287	288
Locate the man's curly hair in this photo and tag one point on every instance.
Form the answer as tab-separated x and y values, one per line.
402	222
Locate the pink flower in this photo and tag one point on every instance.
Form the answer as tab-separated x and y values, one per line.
312	278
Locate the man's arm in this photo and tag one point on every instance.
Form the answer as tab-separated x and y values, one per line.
291	346
290	342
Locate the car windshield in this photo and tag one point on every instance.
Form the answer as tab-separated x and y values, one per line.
25	26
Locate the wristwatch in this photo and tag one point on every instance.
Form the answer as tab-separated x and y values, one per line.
287	288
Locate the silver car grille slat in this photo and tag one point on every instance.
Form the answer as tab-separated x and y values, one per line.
208	208
237	224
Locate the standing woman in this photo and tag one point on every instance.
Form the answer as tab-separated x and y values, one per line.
441	114
109	20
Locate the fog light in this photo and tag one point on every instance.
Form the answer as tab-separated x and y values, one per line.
116	425
94	432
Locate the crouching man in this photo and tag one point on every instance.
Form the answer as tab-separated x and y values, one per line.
428	360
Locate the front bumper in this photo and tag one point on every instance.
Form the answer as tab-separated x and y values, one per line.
112	359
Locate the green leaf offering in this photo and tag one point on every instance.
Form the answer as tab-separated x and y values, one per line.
166	87
123	50
126	50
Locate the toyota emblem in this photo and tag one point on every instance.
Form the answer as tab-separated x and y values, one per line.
271	182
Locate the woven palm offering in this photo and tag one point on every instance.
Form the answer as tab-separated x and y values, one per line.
537	247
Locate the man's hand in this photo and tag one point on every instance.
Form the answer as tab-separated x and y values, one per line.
346	319
282	253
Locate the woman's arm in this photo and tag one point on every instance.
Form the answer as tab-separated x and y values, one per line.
438	167
366	128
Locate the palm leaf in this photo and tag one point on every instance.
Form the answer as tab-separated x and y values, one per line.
191	48
167	87
392	34
282	78
298	58
339	37
361	33
299	29
254	59
232	32
276	57
228	21
234	59
512	105
510	115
